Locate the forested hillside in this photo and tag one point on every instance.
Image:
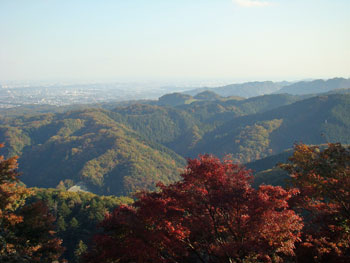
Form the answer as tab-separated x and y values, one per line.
123	149
77	216
313	121
126	148
87	146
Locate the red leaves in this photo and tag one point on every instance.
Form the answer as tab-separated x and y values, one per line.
323	177
212	215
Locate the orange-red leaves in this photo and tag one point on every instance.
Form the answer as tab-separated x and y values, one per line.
211	215
323	177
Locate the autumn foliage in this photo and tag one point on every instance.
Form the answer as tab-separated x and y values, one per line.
323	177
26	231
211	215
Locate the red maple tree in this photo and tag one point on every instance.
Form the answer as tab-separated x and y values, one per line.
323	177
211	215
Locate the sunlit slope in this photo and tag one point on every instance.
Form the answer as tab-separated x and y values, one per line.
91	147
312	121
180	128
121	150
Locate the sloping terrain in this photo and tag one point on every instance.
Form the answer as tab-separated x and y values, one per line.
87	146
312	121
316	86
132	147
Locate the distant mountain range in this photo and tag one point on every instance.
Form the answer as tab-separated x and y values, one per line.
249	89
315	86
252	89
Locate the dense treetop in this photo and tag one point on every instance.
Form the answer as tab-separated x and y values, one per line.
211	215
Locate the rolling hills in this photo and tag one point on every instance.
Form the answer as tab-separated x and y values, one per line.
87	146
122	149
316	86
258	88
316	120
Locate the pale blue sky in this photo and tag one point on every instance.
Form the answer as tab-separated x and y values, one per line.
111	40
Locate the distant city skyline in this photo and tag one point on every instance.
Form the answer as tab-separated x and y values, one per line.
173	41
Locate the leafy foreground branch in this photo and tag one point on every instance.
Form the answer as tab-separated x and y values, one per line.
211	215
26	231
323	177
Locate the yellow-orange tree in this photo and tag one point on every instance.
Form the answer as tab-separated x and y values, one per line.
323	178
26	231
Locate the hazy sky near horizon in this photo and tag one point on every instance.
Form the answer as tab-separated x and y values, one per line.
111	40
